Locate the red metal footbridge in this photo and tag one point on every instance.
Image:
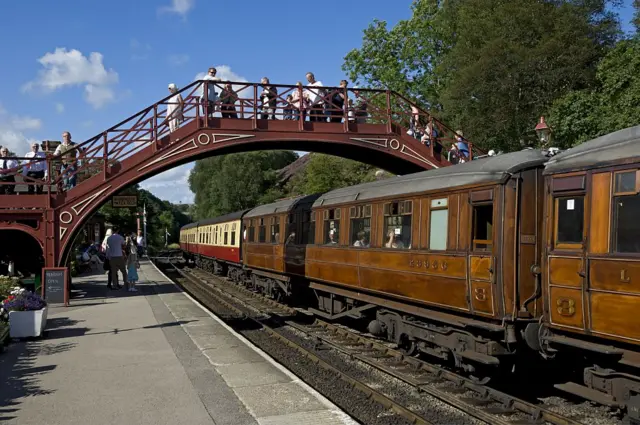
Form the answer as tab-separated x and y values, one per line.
373	130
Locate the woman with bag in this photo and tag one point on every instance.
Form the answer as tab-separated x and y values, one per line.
132	263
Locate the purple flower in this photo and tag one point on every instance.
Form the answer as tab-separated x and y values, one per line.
25	301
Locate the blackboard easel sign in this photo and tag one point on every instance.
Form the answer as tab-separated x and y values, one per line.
55	285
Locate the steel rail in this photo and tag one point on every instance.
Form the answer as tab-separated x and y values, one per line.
430	372
371	393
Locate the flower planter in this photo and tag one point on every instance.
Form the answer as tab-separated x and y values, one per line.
25	324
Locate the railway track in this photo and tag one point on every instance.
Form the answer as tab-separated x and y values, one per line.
480	402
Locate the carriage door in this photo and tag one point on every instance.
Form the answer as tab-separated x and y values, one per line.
481	260
567	261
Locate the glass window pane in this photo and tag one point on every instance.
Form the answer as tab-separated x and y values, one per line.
397	231
438	229
331	232
570	219
482	227
361	232
626	182
626	232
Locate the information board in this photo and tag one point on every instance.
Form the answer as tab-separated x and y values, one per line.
124	201
55	285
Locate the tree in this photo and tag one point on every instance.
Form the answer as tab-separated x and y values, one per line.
325	172
224	184
488	67
613	104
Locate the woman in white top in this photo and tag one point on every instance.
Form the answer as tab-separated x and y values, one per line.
175	108
299	100
106	264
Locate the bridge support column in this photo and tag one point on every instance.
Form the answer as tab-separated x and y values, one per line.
51	239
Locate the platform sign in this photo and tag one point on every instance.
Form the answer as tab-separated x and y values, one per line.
55	285
124	201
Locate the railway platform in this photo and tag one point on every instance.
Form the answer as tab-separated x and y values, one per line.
152	357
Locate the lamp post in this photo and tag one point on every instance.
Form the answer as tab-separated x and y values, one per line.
544	132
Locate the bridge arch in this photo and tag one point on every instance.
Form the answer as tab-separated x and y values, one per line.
26	248
379	133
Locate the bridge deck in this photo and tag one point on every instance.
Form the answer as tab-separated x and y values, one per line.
154	357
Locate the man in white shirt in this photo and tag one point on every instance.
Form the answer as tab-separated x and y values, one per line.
212	93
115	253
35	169
316	101
141	243
6	174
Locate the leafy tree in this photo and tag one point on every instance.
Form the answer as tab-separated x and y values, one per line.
614	103
488	67
325	172
223	184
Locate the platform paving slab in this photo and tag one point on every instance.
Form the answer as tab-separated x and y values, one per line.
153	357
272	394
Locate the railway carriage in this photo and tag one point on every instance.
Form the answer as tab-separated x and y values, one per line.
592	267
447	260
275	244
215	244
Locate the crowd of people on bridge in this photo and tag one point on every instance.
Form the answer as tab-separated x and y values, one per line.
313	103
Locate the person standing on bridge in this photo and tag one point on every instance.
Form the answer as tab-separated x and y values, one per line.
269	98
175	108
212	93
69	160
35	169
116	248
6	175
316	99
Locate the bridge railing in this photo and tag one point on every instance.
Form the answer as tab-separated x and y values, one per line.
350	107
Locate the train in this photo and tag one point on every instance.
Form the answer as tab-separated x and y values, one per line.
481	264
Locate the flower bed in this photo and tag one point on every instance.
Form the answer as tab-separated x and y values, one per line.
25	312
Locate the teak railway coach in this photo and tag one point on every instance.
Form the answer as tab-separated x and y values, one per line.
477	263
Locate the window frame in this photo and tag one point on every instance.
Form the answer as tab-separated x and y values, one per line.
262	230
614	219
402	211
360	212
438	208
326	218
570	246
488	242
274	229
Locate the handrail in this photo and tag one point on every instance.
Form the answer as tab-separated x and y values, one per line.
147	126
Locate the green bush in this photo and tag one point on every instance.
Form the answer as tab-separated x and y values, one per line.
173	246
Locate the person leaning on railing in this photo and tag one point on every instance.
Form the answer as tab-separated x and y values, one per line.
69	160
6	172
35	169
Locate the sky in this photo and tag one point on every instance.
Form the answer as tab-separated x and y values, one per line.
84	69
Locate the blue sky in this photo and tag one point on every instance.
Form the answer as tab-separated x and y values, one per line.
115	58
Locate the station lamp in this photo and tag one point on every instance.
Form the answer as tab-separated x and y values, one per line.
544	132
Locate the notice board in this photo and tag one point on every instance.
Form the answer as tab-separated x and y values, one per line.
55	285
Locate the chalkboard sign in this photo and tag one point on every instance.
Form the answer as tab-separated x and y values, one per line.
54	285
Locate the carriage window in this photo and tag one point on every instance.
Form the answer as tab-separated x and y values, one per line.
252	231
262	231
226	234
482	227
360	226
275	230
309	228
626	209
397	225
438	224
332	226
569	220
233	234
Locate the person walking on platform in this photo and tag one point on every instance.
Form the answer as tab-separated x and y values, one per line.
107	264
116	249
132	262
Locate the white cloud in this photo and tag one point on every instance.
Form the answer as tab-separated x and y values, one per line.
12	128
69	68
177	60
172	185
180	7
59	108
